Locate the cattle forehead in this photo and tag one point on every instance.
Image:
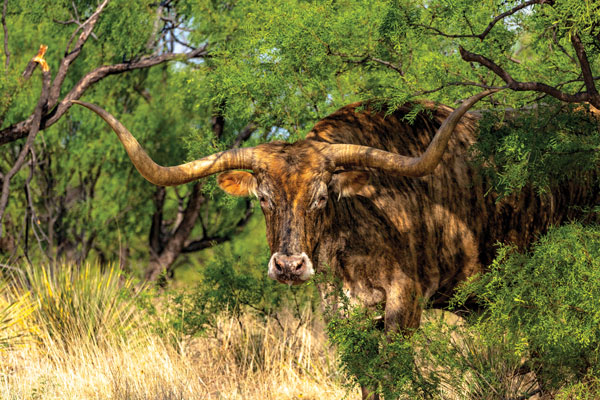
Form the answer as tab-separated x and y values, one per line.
297	164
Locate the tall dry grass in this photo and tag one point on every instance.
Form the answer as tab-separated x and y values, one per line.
247	357
253	360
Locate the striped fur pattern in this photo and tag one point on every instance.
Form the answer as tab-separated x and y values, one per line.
392	240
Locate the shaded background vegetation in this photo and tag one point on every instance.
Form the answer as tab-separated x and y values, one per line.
189	78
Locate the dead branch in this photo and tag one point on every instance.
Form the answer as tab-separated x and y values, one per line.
87	27
33	130
20	129
152	39
244	134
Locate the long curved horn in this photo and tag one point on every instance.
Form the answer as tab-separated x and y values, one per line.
351	155
177	175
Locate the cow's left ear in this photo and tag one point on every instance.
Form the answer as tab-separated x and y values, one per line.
237	183
349	183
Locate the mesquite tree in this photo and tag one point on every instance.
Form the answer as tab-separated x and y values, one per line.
274	66
60	206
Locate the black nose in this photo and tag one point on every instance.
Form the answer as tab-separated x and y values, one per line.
289	267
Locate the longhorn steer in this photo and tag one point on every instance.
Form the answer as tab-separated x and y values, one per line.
395	229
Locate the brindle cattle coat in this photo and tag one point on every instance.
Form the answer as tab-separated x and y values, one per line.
396	240
392	239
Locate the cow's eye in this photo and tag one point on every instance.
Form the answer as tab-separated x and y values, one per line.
320	202
264	201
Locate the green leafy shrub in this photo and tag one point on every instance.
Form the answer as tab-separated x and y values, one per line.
540	147
230	285
546	302
539	331
464	363
370	358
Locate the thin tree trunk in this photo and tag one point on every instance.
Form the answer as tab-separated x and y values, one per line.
160	262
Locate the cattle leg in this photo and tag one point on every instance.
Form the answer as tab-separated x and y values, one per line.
403	308
402	313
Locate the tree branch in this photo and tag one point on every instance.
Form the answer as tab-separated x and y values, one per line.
586	70
206	242
20	129
523	86
486	31
560	46
176	242
244	135
152	39
69	57
388	64
33	63
360	59
155	238
33	130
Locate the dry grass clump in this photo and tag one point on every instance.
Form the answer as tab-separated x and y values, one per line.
252	360
247	357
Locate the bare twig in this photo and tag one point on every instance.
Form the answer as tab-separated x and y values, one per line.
79	27
388	64
33	130
6	52
69	57
206	242
359	58
152	39
75	9
181	42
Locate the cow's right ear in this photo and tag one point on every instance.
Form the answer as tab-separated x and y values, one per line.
237	183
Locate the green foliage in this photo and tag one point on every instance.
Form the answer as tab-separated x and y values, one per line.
373	359
86	304
542	147
546	301
229	285
539	327
384	362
